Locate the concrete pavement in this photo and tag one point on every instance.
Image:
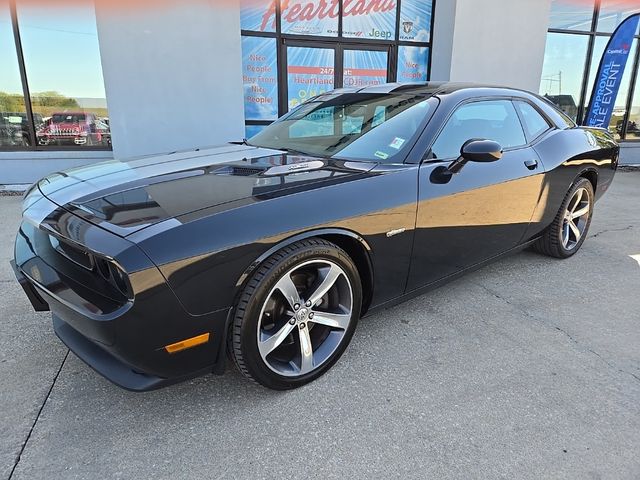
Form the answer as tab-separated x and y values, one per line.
529	368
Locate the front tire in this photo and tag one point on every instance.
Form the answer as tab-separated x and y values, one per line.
296	315
564	237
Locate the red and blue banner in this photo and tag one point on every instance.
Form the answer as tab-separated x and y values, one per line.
609	78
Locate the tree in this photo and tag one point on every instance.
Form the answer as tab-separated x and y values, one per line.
11	102
53	99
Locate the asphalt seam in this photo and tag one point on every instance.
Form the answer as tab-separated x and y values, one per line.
33	426
616	230
567	334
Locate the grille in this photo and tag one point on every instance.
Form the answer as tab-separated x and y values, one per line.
64	131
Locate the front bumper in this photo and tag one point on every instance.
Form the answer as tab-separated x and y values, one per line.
37	302
45	140
110	367
124	342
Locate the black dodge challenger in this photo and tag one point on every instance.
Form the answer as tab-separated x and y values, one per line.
271	249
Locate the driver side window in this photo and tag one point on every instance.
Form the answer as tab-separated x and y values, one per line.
495	120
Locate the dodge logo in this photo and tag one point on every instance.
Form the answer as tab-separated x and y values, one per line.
407	27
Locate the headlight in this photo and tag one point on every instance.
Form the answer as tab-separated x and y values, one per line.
113	274
120	280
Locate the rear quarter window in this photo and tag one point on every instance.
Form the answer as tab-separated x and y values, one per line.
533	122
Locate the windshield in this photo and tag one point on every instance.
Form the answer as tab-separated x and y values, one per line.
354	126
64	118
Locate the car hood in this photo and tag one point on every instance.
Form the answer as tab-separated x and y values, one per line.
127	196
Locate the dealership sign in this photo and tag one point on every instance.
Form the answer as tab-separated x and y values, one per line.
610	73
296	11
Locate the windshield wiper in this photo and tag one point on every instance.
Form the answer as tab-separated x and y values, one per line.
294	151
243	142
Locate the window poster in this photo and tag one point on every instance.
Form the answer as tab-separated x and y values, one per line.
364	68
253	130
415	21
260	78
310	72
369	19
255	15
310	17
299	17
413	64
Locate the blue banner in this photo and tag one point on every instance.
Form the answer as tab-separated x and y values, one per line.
610	74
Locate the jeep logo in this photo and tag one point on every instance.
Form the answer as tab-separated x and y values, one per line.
386	34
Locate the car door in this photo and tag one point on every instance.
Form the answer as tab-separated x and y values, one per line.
483	210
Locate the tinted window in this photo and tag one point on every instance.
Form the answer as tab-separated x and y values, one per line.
491	120
534	124
350	126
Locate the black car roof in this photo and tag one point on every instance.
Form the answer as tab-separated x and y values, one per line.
461	91
424	88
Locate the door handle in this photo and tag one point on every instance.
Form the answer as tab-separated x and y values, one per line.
531	164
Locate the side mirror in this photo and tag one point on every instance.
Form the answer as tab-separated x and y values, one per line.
477	150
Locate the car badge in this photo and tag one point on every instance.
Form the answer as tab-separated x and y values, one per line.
295	168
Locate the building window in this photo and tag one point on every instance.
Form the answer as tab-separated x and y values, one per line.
572	15
15	129
578	35
310	72
296	49
308	17
562	75
613	12
53	54
633	125
364	68
260	78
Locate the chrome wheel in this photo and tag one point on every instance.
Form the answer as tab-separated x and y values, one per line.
305	318
576	219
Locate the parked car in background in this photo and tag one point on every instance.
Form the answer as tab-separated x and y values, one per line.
104	130
16	130
632	128
74	128
8	137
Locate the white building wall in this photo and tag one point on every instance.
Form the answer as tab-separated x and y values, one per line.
173	75
491	41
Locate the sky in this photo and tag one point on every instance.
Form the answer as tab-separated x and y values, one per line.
60	49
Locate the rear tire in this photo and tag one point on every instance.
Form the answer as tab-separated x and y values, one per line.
296	315
564	237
